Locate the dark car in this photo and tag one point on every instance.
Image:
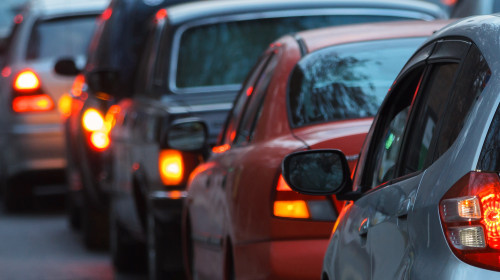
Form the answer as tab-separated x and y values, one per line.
464	8
107	77
197	57
425	199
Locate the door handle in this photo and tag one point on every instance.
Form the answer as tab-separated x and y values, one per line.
363	227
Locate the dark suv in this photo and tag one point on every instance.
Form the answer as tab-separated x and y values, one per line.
197	56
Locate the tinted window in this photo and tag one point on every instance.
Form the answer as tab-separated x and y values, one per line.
473	78
388	137
430	110
61	37
489	160
346	82
222	53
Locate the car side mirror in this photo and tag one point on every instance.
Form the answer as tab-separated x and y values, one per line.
66	67
317	172
187	135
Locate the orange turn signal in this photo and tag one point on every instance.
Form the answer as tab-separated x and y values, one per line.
291	209
171	167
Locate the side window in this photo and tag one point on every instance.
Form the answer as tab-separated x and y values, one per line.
391	125
429	111
229	133
489	160
255	103
472	80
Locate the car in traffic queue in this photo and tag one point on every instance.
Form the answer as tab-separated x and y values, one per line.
181	79
107	76
310	90
424	200
32	97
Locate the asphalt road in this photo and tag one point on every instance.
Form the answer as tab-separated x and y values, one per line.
38	244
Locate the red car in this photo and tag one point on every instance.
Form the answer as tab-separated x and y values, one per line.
310	90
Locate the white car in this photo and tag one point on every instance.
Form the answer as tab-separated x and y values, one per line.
31	94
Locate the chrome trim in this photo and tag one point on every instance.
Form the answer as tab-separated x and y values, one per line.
352	157
166	195
23	129
272	14
200	108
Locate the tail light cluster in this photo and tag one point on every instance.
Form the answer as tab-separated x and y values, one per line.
470	214
99	127
28	95
175	166
290	204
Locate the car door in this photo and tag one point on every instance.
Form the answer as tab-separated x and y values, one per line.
208	191
402	145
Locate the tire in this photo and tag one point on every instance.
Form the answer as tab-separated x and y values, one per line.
126	255
15	195
157	253
95	228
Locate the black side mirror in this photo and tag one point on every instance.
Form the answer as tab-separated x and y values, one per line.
317	172
187	135
66	67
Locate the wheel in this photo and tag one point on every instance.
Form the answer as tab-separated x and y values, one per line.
15	195
158	250
95	228
126	255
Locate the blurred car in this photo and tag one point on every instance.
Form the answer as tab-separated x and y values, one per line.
426	192
8	10
30	127
183	78
107	77
311	90
465	8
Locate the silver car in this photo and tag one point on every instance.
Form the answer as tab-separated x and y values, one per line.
424	202
31	93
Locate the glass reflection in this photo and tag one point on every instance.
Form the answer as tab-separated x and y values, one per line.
187	136
316	172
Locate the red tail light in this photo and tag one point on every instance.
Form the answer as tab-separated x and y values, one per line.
470	214
161	14
290	204
27	80
171	167
32	103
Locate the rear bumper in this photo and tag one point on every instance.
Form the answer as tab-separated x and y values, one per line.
34	148
290	259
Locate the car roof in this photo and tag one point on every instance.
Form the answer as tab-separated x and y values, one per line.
319	38
58	7
484	31
180	13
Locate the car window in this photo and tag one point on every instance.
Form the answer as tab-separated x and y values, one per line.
473	78
229	132
489	160
429	112
391	126
230	48
345	82
255	102
60	37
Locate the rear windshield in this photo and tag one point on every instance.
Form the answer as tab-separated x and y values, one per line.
60	37
223	53
346	82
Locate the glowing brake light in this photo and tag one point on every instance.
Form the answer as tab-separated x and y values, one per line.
32	103
100	140
470	215
92	120
161	14
171	167
26	80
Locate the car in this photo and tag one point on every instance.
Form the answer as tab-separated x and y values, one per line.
8	10
33	160
311	90
464	8
183	79
107	76
424	199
